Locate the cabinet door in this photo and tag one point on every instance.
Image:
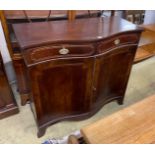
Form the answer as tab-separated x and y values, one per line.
61	88
112	70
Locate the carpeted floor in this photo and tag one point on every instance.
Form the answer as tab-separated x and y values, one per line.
21	128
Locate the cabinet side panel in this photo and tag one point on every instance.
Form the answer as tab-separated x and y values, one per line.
8	104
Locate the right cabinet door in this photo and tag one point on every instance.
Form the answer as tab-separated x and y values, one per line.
112	71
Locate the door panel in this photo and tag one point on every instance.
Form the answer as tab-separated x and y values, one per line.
62	88
111	73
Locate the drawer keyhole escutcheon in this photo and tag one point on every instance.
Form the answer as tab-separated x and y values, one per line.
64	51
117	41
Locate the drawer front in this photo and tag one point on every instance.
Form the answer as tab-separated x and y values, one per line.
58	51
117	41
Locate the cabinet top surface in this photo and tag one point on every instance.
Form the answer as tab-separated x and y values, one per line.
80	30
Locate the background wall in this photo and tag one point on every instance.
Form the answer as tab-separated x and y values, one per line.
149	17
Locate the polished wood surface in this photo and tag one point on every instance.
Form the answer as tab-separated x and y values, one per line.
146	47
150	27
61	89
142	54
8	17
71	69
147	37
35	55
78	30
71	15
132	125
107	69
21	75
8	104
19	14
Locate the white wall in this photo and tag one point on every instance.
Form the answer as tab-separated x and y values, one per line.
3	46
149	17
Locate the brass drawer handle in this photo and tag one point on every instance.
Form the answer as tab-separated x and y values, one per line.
64	51
117	41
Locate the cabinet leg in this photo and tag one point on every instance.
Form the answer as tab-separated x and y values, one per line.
120	101
41	132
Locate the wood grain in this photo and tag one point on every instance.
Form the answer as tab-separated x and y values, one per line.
134	124
147	37
19	14
142	54
80	30
146	44
77	84
150	27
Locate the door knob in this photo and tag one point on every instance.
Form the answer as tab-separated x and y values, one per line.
64	51
117	41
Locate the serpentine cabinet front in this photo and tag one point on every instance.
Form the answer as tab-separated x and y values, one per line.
73	85
75	68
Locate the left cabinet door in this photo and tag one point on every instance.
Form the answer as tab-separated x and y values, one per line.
61	89
8	104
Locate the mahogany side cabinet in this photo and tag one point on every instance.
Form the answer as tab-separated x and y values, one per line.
76	67
8	104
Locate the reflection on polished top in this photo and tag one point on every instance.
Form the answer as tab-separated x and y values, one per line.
81	30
